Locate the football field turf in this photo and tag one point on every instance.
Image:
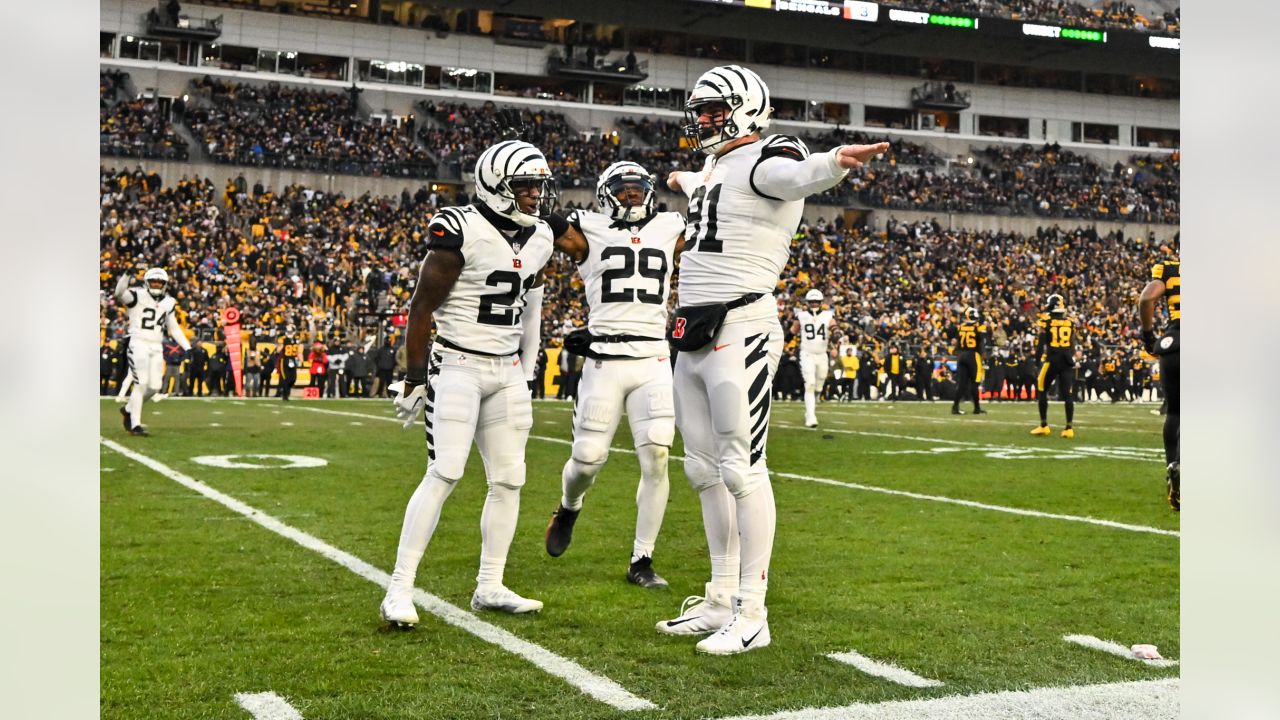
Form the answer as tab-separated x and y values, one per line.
958	549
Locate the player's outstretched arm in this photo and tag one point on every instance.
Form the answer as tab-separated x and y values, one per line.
531	330
786	172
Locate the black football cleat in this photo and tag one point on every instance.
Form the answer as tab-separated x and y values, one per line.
124	417
979	411
139	431
641	573
560	530
956	411
1173	484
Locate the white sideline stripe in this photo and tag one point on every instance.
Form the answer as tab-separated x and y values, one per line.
267	706
888	671
1114	648
1031	422
597	686
1145	699
1148	454
858	486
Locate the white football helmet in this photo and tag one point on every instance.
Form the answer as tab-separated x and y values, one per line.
510	163
613	180
747	97
814	295
152	275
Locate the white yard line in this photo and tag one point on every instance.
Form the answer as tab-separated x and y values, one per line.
596	686
267	706
1032	419
1146	699
1116	452
858	486
888	671
1116	649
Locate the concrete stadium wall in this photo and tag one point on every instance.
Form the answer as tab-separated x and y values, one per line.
1057	109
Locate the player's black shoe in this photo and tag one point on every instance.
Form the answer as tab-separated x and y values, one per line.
979	411
139	431
956	411
124	417
560	530
1173	484
641	573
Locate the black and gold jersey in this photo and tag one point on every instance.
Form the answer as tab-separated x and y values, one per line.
1058	339
1169	272
971	337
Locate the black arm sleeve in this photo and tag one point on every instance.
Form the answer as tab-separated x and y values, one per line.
559	225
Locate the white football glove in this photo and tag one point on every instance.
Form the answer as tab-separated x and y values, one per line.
408	407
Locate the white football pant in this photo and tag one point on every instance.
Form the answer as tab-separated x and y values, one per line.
146	367
480	398
813	369
643	388
722	395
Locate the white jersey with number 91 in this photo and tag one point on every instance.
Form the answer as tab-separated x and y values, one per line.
814	330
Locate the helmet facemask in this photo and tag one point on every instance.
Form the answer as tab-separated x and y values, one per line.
710	136
627	178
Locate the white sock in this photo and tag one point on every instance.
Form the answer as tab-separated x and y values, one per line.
719	518
651	498
420	518
134	406
810	405
575	481
497	527
757	517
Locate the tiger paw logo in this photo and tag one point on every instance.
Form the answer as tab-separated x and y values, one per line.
678	330
635	240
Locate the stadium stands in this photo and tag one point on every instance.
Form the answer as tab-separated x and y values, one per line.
298	127
328	265
133	127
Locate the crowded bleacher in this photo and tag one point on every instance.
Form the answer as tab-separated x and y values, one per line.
295	260
298	127
133	127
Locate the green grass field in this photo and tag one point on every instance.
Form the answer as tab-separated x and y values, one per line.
200	603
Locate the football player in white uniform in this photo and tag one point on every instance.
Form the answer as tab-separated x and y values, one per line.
151	314
812	325
481	282
744	206
630	251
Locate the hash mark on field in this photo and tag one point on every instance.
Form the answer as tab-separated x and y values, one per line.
357	422
888	671
1116	649
858	486
1146	699
215	412
215	424
287	424
597	686
267	706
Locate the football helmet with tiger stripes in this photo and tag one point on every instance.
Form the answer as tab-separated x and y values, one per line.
511	166
747	100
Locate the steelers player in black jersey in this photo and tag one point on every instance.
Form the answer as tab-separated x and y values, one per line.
1166	282
970	337
1057	363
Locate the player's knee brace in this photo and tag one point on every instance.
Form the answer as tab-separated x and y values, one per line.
590	449
702	473
507	475
653	462
742	480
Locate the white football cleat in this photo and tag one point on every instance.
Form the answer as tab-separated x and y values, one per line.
748	630
503	600
397	608
700	615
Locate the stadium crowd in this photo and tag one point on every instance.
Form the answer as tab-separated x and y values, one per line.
1107	14
329	271
299	127
133	127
